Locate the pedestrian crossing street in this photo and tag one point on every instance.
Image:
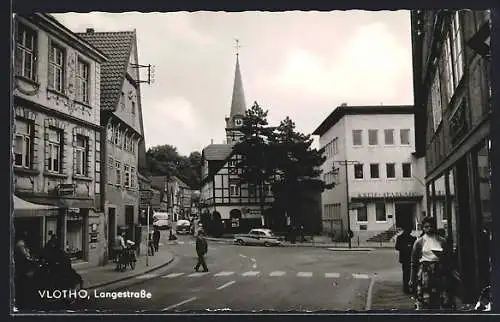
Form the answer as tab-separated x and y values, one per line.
254	273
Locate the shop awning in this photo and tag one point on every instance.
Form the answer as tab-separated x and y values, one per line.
23	208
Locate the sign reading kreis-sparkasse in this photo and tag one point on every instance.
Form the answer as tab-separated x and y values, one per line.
398	194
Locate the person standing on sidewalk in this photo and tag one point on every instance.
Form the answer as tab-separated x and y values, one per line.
156	238
404	244
429	260
201	250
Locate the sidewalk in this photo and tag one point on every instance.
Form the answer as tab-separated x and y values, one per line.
96	277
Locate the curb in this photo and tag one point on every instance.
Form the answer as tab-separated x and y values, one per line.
329	247
96	286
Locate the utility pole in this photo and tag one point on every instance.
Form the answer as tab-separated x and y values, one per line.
346	163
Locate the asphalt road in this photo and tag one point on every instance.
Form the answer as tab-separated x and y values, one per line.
254	278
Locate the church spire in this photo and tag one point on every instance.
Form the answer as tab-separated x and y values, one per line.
238	104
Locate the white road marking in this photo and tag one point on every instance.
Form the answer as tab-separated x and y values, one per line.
226	285
179	304
360	276
253	260
304	274
224	273
172	275
254	266
241	255
369	297
332	275
146	276
198	274
277	273
180	242
250	273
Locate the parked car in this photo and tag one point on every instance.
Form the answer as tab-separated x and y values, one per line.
182	226
258	236
161	220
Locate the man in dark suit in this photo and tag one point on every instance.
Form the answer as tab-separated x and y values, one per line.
404	244
201	250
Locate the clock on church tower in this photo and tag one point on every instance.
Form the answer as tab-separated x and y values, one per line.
238	122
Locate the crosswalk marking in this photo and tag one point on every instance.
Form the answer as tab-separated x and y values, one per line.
332	275
146	276
172	275
250	273
224	273
277	273
197	274
304	274
360	276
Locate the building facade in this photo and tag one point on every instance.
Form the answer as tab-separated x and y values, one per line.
222	193
121	115
452	93
371	149
57	138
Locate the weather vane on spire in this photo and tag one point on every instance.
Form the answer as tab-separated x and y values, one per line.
237	46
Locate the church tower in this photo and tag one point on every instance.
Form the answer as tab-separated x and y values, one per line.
238	106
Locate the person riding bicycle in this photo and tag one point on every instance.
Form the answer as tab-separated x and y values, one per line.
119	247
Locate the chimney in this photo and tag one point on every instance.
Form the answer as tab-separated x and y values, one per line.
90	30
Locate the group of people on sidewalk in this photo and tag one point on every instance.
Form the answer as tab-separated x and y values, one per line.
425	263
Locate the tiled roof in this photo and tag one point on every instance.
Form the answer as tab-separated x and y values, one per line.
117	46
217	152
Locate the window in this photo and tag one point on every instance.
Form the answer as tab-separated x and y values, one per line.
457	49
110	169
251	190
362	214
25	52
126	142
81	155
238	122
389	136
82	82
234	189
56	68
436	101
110	133
133	107
126	169
133	178
391	170
372	137
406	170
54	149
357	137
404	136
374	173
358	171
23	149
117	136
118	173
380	214
448	68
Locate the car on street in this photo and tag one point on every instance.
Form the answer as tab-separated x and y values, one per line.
258	236
161	220
182	226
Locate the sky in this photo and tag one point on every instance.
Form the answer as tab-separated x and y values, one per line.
297	64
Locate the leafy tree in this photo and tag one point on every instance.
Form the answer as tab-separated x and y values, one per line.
297	169
256	155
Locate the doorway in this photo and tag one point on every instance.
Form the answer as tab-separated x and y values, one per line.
111	231
129	221
405	215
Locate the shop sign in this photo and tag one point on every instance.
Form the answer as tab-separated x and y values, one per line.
388	194
93	237
66	189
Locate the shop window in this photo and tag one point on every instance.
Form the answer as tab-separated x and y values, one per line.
74	237
380	213
358	171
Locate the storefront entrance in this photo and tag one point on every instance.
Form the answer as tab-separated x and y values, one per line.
111	231
405	215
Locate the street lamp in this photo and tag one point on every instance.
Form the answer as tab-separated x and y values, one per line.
346	163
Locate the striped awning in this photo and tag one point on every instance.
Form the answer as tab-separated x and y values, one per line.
23	208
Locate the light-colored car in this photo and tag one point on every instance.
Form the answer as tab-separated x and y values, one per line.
162	220
258	236
182	226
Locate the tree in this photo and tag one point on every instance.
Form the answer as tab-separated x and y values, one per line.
256	156
297	169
